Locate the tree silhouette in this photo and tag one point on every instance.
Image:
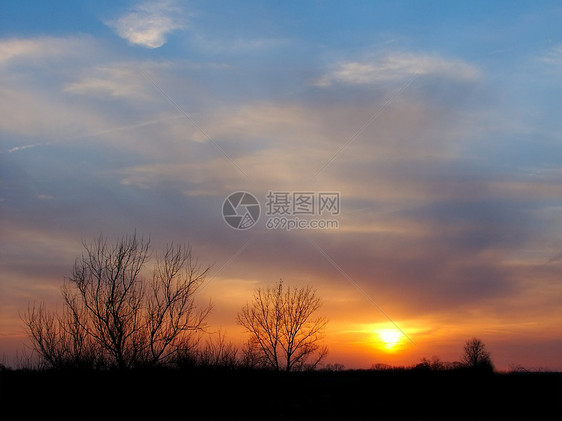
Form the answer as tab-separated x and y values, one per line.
113	315
475	355
217	352
284	333
59	340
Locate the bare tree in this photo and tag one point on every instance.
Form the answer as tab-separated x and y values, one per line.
334	367
217	352
434	363
251	355
59	341
476	355
105	295
285	334
112	312
171	306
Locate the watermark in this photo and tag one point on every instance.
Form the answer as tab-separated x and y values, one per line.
241	210
285	210
288	224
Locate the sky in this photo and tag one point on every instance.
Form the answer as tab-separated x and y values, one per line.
436	123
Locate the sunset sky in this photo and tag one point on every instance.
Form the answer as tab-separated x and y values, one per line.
438	123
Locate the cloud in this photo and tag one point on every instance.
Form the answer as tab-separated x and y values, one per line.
148	23
553	60
118	80
33	50
42	119
91	96
17	48
397	66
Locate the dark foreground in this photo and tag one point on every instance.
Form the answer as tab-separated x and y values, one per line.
238	394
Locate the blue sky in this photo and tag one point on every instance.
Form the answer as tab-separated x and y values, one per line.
438	123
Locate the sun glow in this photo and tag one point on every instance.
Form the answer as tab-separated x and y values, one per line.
390	338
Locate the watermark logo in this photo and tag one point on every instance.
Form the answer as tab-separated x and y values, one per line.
282	203
241	210
288	210
285	210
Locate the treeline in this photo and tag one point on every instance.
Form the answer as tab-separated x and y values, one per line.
125	307
207	350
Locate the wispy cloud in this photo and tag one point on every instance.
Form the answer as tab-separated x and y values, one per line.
397	66
42	48
148	23
24	147
553	57
118	80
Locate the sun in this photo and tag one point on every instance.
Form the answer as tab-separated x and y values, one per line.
390	338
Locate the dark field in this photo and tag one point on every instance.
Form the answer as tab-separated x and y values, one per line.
251	394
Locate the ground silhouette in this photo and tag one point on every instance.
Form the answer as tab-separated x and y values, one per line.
222	393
